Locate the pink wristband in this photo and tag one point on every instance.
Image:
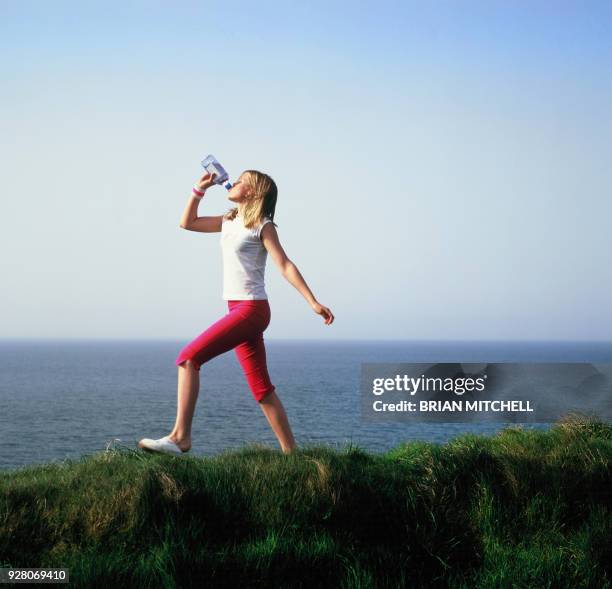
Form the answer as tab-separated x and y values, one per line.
197	193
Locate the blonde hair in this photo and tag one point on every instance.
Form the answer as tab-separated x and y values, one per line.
262	201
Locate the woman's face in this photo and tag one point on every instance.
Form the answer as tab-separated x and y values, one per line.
239	191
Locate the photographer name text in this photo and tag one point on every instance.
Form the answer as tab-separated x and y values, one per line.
452	406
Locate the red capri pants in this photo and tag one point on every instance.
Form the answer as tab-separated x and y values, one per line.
242	329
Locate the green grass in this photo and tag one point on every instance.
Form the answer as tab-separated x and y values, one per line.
523	508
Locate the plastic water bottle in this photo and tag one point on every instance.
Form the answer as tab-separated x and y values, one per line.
212	166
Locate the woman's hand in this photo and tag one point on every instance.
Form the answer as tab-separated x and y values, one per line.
325	312
206	181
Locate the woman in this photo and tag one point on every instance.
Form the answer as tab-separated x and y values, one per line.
248	234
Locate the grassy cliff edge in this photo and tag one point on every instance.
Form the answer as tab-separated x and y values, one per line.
522	508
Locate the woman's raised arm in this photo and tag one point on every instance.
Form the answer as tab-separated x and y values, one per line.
190	219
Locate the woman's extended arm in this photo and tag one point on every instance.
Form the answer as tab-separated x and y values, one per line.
289	270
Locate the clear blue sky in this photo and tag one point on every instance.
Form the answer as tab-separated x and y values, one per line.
443	167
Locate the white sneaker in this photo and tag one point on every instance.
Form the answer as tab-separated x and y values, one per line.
164	445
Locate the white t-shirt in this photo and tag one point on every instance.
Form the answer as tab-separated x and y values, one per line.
244	260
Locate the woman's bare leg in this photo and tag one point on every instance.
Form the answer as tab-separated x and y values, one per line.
188	389
277	418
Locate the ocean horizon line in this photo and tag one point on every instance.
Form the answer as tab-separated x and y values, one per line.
313	340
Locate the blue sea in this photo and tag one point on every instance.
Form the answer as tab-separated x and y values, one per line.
64	399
